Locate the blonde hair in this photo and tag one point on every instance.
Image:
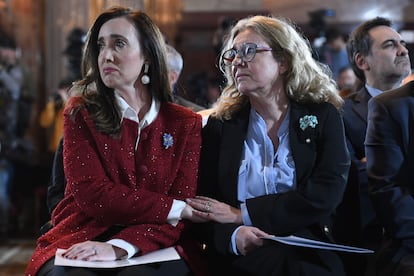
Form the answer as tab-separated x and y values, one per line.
306	80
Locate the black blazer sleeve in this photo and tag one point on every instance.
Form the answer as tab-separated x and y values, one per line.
390	161
57	182
355	113
219	165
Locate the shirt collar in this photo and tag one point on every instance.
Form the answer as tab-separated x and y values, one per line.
373	91
129	113
284	127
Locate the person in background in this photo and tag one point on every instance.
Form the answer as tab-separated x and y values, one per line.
380	60
13	145
346	81
52	114
175	66
274	159
224	25
75	42
213	91
130	156
333	51
11	83
390	167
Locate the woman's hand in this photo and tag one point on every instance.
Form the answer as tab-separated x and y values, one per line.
190	214
249	238
94	251
210	209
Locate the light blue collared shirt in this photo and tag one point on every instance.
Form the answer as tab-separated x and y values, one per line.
373	91
264	171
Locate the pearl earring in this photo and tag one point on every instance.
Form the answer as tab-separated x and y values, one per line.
145	79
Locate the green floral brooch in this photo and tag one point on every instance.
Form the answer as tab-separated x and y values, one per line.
308	121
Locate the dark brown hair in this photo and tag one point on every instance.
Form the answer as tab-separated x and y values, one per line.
100	99
361	42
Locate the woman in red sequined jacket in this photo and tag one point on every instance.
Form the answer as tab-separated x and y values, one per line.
130	156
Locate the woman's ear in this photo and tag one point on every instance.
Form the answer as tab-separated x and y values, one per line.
283	66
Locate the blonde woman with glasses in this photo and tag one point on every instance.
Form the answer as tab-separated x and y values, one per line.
274	159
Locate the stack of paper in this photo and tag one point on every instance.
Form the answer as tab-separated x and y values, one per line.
166	254
298	241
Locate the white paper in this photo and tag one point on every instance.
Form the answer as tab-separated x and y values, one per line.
166	254
298	241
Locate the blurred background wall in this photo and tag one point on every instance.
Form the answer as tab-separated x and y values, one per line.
42	28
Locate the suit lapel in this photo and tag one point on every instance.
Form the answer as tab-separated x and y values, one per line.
361	104
234	133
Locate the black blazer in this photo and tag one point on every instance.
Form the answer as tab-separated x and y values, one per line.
355	113
355	116
322	162
390	161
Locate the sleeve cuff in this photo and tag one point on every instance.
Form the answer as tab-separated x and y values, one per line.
233	246
245	215
174	215
129	248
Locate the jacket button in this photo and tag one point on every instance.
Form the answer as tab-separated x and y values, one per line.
144	136
326	229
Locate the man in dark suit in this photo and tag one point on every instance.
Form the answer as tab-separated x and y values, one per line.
390	168
380	60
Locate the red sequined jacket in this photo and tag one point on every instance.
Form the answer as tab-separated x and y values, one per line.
110	183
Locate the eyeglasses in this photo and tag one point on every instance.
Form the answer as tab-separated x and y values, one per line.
247	52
